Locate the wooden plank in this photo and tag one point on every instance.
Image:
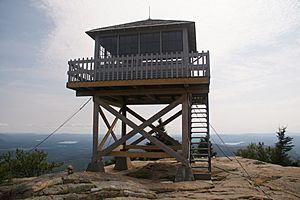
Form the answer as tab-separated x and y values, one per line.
159	126
167	137
162	81
110	131
107	123
95	129
140	128
139	154
151	147
149	91
185	127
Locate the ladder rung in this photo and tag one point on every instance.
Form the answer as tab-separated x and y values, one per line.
199	148
198	137
195	160
203	167
199	154
198	131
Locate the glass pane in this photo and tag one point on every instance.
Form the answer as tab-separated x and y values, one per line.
109	44
172	41
149	43
128	44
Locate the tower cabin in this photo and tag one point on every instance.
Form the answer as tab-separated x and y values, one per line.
147	62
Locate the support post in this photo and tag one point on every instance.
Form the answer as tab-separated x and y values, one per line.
123	163
184	171
96	164
185	127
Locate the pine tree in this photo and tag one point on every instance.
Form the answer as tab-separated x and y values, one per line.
282	146
159	135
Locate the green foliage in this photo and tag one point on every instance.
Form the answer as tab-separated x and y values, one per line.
203	144
257	152
282	146
25	164
276	155
160	135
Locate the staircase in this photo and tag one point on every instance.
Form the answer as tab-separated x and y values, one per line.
200	146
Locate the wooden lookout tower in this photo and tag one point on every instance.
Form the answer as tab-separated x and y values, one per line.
147	62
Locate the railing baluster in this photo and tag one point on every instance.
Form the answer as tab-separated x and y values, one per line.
134	67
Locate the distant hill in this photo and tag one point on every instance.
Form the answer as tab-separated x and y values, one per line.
75	149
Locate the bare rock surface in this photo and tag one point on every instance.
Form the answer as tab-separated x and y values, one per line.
153	180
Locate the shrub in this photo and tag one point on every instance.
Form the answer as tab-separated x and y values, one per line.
25	164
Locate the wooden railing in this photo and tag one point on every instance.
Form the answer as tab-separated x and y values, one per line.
134	67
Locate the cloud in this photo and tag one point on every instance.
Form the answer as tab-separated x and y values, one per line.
3	125
254	48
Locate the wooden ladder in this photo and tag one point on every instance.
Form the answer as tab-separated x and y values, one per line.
200	146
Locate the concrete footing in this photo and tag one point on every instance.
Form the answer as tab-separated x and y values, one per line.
96	166
122	163
184	173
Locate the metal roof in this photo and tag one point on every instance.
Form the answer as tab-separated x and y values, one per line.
137	25
148	24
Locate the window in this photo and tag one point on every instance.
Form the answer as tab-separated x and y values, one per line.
172	41
128	44
150	43
108	45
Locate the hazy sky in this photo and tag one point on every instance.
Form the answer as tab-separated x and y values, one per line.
254	48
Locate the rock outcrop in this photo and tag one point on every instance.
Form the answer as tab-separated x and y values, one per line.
229	181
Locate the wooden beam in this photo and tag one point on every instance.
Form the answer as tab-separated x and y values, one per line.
167	137
148	91
95	130
185	126
110	130
107	123
140	128
139	154
162	81
151	147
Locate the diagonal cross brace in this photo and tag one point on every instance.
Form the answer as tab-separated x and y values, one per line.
156	128
140	129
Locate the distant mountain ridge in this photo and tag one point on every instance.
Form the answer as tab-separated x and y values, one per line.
75	149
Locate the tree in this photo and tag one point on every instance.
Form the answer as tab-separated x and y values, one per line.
276	155
203	145
282	146
161	136
25	164
256	152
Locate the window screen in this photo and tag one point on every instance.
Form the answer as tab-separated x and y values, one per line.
150	43
128	44
108	44
172	41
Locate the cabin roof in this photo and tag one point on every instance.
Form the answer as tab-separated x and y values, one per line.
148	24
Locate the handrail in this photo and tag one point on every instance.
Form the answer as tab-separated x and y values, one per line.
134	67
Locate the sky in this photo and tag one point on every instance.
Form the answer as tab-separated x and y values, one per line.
254	50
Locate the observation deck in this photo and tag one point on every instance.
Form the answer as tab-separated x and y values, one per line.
168	73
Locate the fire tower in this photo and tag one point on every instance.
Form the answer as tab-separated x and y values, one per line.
146	63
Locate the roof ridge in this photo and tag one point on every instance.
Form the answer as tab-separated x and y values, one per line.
141	23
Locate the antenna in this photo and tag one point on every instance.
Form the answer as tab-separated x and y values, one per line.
149	13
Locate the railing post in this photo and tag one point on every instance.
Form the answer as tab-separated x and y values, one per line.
208	64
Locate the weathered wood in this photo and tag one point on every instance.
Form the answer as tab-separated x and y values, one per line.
95	130
185	126
105	67
110	131
124	113
163	134
140	128
171	81
107	123
139	154
146	91
151	147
